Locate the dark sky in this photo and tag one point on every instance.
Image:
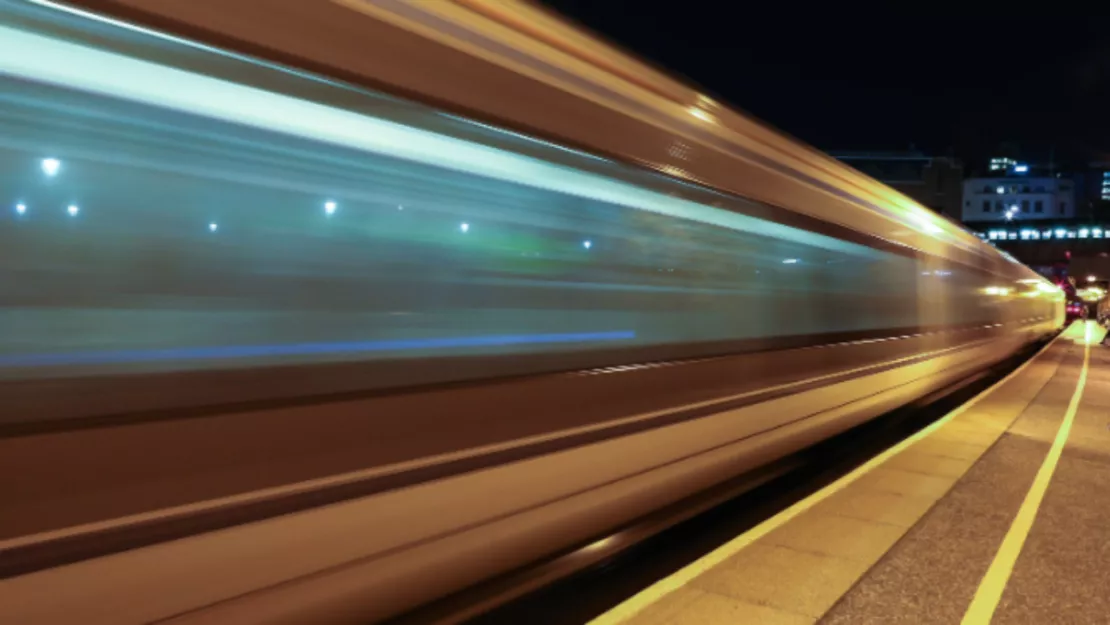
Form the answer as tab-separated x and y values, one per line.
940	78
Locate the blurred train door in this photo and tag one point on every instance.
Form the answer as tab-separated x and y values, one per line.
934	300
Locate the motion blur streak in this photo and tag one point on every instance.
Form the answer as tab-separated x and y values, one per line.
281	345
245	351
113	75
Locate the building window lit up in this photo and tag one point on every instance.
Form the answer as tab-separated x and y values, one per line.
1033	234
1002	164
1003	198
1106	185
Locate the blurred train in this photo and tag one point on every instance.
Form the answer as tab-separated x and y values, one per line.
315	311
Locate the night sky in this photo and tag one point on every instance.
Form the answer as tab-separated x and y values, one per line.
937	78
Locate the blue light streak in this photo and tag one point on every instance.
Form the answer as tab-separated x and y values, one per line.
301	349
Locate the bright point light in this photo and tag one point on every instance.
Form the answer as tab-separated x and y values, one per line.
1021	169
1091	278
587	244
50	166
790	261
329	207
465	227
927	223
72	209
21	208
1083	233
1001	190
212	227
1061	234
701	114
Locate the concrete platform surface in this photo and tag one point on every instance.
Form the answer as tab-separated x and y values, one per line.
994	514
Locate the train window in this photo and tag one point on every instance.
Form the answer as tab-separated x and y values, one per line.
181	209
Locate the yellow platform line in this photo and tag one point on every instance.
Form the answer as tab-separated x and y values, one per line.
989	593
652	594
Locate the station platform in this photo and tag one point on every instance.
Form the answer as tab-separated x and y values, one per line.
997	513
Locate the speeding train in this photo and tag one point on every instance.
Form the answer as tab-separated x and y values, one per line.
320	310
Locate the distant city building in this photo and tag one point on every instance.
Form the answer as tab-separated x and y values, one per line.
933	182
1002	164
1018	198
1100	172
1092	190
